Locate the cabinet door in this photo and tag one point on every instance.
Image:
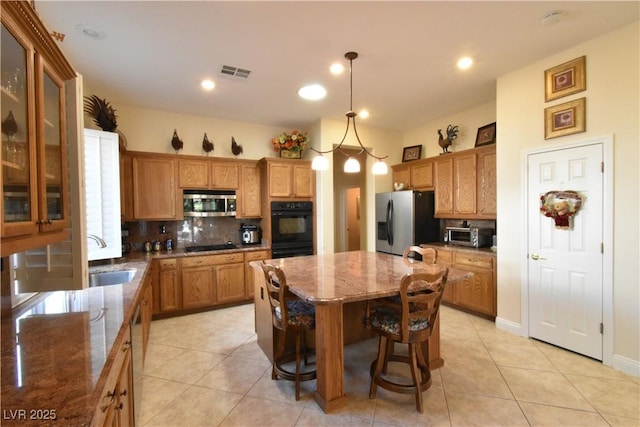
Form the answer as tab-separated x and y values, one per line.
422	176
154	190
193	174
250	195
479	292
444	187
169	287
303	181
197	287
250	271
487	183
124	408
52	148
230	284
445	258
402	174
280	180
126	187
464	173
224	175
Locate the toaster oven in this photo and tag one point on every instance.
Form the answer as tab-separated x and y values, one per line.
474	237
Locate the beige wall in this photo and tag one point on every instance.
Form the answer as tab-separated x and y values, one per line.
612	109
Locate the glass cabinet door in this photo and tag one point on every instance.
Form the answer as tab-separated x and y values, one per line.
19	205
52	160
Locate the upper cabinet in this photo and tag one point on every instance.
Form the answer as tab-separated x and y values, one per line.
416	175
155	195
207	174
250	193
289	178
465	184
34	142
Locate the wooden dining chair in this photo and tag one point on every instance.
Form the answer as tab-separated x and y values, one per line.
289	314
428	255
412	324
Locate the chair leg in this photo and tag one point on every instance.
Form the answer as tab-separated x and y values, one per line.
388	354
298	365
279	351
380	364
416	374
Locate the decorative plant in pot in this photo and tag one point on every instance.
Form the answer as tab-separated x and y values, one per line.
290	145
104	116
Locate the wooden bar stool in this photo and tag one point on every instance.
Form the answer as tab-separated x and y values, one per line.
288	313
411	323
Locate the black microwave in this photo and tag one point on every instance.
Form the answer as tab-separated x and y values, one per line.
200	203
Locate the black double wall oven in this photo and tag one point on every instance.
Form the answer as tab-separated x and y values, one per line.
291	229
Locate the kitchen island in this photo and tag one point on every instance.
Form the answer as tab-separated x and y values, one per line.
332	282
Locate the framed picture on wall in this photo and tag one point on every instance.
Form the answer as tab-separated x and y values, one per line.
565	119
565	79
411	153
486	135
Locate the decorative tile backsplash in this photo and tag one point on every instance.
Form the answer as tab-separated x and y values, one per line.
187	232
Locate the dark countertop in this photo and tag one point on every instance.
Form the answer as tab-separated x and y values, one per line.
58	349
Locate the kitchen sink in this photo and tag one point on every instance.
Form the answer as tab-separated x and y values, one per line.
104	278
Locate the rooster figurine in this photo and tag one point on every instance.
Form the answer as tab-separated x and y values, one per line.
176	142
452	134
207	145
235	147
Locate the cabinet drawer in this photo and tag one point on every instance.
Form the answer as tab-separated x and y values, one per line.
196	261
227	258
444	257
474	261
252	256
168	264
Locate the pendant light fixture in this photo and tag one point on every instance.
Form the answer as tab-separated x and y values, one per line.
351	165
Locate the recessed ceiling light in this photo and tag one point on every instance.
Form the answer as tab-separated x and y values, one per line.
363	114
92	33
336	68
465	63
312	92
207	84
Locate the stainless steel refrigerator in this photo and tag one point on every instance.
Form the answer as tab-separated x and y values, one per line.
405	218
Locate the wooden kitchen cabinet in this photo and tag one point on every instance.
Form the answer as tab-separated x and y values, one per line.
465	184
167	287
478	293
289	178
34	156
229	273
224	175
126	187
193	174
249	196
115	408
146	312
154	189
250	271
198	282
487	182
417	175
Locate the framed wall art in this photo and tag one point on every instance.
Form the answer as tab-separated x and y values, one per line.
565	79
486	135
411	153
565	119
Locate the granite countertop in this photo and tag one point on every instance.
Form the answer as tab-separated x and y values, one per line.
58	349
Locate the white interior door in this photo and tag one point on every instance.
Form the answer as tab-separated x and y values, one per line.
565	266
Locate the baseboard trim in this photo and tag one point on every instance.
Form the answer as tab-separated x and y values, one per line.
626	365
509	326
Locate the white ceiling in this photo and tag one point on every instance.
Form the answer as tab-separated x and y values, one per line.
154	54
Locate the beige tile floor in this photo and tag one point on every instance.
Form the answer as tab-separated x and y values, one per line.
207	370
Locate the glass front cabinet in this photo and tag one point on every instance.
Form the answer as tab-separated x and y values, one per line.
35	205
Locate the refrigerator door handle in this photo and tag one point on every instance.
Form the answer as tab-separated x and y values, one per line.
390	222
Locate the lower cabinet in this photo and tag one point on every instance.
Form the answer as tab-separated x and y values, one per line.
477	293
115	407
196	282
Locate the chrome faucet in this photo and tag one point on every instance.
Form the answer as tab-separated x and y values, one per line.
100	241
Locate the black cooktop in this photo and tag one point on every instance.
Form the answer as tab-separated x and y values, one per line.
204	248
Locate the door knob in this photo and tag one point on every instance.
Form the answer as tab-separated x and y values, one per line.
536	257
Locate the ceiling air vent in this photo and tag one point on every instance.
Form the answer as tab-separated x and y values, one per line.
228	70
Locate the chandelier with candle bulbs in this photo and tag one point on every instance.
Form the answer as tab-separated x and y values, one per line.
351	165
